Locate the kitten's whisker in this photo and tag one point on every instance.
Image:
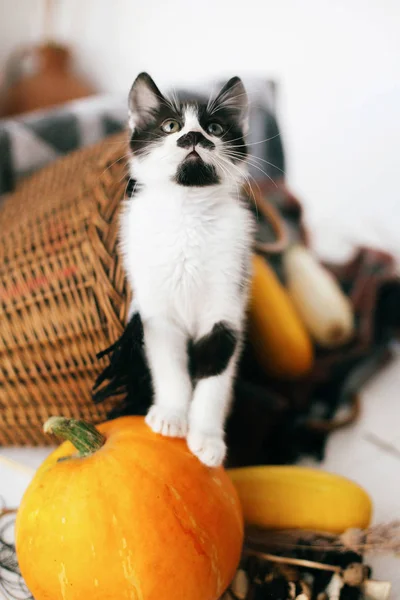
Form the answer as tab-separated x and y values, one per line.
115	162
229	165
243	176
247	177
255	143
248	158
212	99
226	99
262	171
126	170
173	100
120	143
226	133
148	134
252	160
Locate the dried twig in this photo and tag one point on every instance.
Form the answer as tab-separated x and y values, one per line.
298	562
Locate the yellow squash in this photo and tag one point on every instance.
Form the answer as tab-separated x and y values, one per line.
291	497
280	341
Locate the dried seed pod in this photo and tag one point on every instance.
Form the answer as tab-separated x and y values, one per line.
354	574
308	578
290	572
305	590
377	590
240	584
353	538
269	577
335	586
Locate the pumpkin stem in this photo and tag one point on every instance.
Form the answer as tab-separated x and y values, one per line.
84	436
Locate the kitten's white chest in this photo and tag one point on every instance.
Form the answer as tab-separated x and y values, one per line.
166	246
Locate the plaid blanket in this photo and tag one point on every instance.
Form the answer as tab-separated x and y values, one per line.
31	141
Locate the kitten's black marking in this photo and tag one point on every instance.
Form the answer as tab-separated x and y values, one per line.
143	138
195	172
227	118
233	136
210	355
194	138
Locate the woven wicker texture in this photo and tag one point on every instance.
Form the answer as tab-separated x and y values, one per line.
63	295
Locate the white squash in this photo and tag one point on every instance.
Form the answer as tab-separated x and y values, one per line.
324	309
377	590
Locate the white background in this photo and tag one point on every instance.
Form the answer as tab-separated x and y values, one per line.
337	62
338	66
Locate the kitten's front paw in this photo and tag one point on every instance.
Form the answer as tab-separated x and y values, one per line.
167	421
209	448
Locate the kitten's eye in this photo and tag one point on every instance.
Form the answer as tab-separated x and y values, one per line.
215	129
170	126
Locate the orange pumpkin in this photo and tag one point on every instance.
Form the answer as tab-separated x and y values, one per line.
133	516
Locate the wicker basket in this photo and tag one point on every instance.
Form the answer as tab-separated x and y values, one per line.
63	295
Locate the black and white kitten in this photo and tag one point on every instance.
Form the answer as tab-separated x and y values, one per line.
187	239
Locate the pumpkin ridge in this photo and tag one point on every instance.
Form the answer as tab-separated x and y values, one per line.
187	531
127	568
201	534
195	533
22	541
172	492
191	532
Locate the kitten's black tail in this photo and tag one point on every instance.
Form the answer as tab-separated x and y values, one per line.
127	375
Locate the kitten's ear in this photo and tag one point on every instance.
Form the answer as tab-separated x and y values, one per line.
144	100
234	96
